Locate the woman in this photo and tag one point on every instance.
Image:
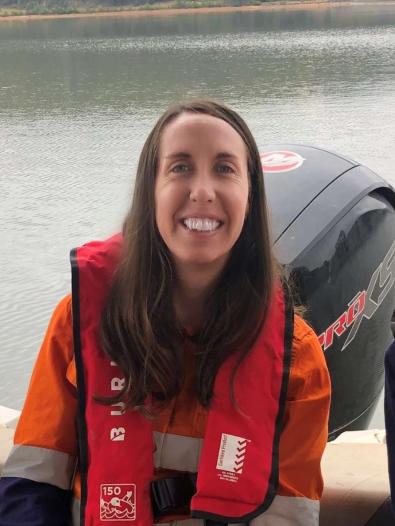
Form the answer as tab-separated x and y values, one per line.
181	331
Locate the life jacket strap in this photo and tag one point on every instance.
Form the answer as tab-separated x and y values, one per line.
173	495
209	522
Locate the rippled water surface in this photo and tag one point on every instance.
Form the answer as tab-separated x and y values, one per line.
78	97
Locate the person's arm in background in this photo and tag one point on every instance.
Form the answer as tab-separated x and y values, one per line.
389	412
36	479
304	435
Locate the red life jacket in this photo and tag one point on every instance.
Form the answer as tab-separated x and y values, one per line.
238	468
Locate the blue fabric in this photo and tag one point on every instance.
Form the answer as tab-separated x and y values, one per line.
24	502
389	412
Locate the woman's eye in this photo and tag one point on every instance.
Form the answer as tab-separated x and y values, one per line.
179	168
225	168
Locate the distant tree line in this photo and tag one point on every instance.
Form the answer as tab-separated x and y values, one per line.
10	7
64	3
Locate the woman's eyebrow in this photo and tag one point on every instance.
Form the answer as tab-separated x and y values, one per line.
178	155
185	155
226	155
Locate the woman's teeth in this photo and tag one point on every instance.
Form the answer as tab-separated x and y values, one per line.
201	224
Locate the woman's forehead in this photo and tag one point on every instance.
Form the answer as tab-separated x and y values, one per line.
191	132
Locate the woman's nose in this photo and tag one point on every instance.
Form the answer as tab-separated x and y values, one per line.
202	188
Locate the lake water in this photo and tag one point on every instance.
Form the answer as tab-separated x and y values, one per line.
78	97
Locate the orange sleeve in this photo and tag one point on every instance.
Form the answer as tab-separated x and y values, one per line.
305	431
48	417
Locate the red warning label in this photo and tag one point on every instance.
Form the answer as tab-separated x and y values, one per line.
281	161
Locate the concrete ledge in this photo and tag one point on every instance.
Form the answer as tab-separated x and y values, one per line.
6	441
9	417
8	421
356	483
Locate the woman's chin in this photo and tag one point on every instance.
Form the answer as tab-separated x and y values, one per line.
202	260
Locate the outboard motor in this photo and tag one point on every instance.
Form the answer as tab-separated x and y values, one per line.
333	222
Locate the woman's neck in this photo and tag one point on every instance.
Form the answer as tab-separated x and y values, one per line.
193	287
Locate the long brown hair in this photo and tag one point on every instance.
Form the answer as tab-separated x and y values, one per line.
139	329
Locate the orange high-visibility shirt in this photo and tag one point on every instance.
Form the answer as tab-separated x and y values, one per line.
48	419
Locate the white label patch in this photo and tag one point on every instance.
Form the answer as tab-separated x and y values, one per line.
118	502
117	434
231	456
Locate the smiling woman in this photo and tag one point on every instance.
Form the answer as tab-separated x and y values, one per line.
199	162
180	339
201	201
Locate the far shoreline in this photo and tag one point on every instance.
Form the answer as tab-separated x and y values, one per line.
170	11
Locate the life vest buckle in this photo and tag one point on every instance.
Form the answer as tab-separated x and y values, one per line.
173	495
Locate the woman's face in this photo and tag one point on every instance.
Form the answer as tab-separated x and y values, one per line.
201	189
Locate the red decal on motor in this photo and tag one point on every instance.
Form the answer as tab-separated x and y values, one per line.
340	325
281	161
364	304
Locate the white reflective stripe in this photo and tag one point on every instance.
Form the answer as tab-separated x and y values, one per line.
177	452
41	465
290	511
75	512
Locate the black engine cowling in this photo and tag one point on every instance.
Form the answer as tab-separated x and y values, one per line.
334	230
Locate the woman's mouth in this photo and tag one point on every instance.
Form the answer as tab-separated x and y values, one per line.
201	224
